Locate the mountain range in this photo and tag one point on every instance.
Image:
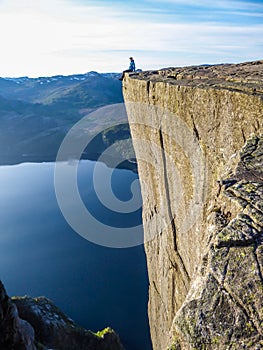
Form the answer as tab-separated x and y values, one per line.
37	113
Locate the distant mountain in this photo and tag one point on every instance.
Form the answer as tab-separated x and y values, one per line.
36	113
46	89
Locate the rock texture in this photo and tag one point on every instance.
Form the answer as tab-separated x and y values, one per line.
15	333
37	324
55	330
197	134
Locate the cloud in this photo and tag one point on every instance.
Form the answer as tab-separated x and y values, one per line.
225	4
59	37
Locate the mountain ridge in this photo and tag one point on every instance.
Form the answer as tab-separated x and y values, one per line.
37	113
25	88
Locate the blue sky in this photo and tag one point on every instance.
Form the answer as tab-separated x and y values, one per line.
48	37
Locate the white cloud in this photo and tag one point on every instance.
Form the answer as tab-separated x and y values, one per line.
225	4
54	37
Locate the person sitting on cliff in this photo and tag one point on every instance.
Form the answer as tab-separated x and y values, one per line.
131	68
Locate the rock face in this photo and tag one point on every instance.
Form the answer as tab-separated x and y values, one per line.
197	134
55	330
37	324
15	333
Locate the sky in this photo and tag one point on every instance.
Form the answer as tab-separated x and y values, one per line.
50	37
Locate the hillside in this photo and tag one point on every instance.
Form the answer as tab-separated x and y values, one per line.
47	89
36	114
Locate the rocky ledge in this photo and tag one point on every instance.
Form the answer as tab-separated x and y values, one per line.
197	133
37	324
246	77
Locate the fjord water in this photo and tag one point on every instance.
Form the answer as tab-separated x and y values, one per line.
41	255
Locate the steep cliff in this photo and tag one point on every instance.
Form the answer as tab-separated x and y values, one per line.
197	134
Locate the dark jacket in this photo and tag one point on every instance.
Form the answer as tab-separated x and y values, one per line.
132	66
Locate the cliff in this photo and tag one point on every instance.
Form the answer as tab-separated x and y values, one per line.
197	134
36	323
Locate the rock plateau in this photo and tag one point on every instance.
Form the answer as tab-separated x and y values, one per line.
197	133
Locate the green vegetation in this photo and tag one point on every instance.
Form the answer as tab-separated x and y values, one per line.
102	333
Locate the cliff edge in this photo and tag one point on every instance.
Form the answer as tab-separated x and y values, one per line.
198	137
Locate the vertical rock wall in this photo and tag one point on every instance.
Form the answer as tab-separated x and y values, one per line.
188	127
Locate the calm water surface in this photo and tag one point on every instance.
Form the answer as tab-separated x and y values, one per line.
41	255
